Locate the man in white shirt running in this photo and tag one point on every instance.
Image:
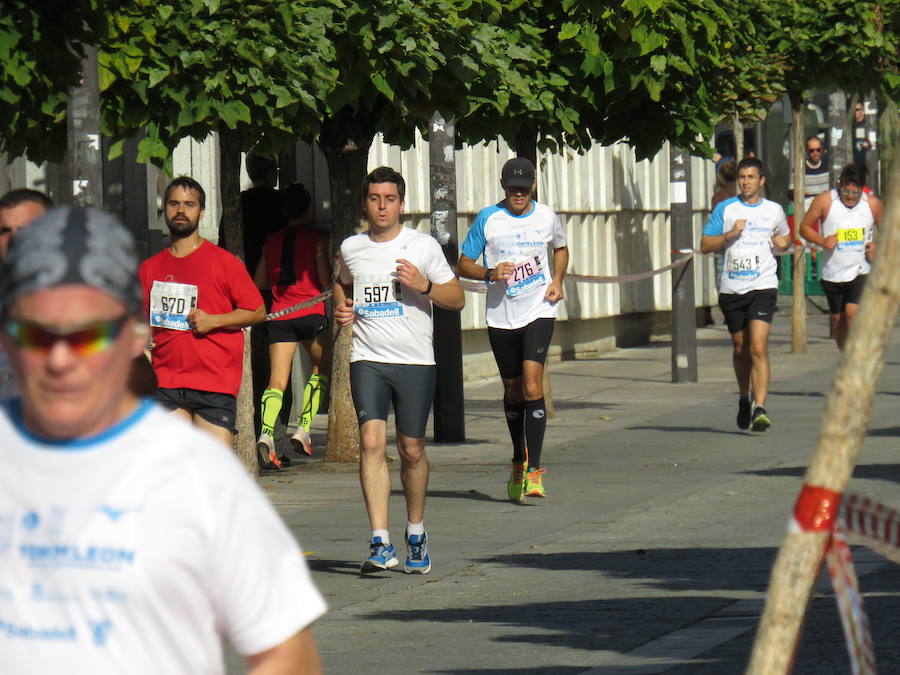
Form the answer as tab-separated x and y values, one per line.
848	218
389	277
748	228
524	290
130	542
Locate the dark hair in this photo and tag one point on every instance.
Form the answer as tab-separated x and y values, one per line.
295	201
727	173
258	166
856	173
749	162
187	183
384	174
22	195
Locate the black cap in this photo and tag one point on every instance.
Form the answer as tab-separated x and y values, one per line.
517	172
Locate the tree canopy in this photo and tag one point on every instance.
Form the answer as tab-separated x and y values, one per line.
41	50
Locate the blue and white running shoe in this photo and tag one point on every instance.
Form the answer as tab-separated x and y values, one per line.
417	559
381	557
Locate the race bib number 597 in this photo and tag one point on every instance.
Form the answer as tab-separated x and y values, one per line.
170	304
379	299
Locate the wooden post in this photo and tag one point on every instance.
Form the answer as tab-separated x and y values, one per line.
83	126
449	398
684	313
843	429
798	311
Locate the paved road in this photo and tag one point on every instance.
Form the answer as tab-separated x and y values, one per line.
652	552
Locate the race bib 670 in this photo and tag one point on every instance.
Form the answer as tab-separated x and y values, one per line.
170	304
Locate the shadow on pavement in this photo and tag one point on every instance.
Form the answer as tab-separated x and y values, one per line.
334	566
690	430
889	472
678	569
457	494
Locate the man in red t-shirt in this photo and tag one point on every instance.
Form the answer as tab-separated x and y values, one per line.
198	297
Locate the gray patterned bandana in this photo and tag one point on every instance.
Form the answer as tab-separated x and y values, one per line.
72	245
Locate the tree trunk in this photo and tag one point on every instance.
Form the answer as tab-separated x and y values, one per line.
738	132
798	314
844	424
347	163
230	226
840	143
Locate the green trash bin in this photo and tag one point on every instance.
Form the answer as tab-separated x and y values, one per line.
811	284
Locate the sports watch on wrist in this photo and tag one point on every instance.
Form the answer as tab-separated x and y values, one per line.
488	273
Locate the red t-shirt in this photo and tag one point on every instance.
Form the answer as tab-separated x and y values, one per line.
210	362
306	284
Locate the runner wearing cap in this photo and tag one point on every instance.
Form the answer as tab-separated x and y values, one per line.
130	542
524	289
199	297
748	227
389	277
848	218
295	266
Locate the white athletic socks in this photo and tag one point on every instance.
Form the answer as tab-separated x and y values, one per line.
415	528
384	534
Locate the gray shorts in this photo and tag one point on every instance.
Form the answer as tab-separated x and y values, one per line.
410	388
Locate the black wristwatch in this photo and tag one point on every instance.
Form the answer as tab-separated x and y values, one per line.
489	272
428	288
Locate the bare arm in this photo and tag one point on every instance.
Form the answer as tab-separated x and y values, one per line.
203	323
449	295
323	265
295	656
468	268
343	305
560	265
261	276
716	242
817	211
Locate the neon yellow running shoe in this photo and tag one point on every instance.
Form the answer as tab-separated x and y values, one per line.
515	488
534	483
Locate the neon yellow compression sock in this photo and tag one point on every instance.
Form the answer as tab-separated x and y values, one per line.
271	406
312	395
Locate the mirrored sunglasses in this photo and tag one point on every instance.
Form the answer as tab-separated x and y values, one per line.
83	341
850	193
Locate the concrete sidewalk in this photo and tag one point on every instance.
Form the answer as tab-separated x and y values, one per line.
652	551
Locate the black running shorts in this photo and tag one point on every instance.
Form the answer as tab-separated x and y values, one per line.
840	294
410	388
297	330
214	407
741	309
513	346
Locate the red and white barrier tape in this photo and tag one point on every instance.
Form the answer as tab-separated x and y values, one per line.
300	305
876	526
687	254
854	620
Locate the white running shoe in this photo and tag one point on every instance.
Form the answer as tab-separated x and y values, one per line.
302	442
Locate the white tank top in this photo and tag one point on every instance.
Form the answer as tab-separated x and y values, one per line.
853	227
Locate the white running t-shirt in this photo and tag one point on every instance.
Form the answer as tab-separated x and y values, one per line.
524	240
393	322
137	550
853	227
749	264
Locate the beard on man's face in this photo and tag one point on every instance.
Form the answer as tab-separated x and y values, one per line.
182	226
